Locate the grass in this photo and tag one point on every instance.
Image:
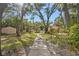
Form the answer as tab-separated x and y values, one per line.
61	40
12	42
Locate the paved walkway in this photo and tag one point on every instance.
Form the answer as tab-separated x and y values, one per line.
39	48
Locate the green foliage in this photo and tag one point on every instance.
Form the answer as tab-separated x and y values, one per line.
13	42
28	38
53	31
74	37
74	29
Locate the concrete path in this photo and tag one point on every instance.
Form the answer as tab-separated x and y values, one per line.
39	48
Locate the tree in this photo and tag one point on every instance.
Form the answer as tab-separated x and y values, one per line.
12	9
2	9
63	8
24	10
17	9
78	13
66	15
44	12
72	11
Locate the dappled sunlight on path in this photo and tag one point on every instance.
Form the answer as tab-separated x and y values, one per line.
39	48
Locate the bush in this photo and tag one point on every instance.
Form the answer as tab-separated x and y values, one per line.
52	31
74	38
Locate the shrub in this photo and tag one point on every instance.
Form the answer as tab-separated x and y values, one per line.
52	31
74	38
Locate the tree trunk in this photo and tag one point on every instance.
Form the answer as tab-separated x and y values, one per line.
0	32
66	15
0	39
17	28
17	31
22	25
46	29
78	13
2	8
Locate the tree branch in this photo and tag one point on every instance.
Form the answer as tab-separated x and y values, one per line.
53	9
41	16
